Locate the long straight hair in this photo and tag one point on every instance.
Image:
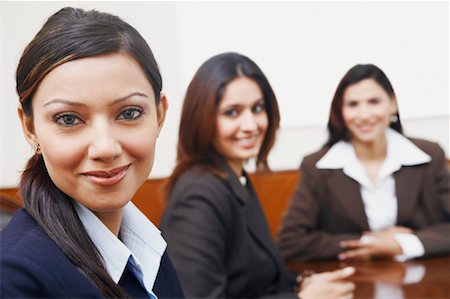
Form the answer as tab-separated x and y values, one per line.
201	102
336	126
68	35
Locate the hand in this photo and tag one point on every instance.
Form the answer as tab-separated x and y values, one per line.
328	285
372	245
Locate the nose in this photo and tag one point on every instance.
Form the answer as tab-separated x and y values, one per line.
104	144
364	112
248	122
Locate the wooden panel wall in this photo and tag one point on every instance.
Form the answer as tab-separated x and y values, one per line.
274	190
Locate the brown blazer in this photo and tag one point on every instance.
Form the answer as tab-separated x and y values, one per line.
327	207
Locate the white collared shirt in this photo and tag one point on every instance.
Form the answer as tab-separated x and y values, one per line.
141	239
380	200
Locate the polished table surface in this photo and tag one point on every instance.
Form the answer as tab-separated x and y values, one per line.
426	278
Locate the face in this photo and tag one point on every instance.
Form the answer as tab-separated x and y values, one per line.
96	122
241	122
366	111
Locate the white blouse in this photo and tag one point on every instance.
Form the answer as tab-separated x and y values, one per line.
141	240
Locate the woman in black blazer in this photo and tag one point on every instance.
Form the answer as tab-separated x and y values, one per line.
218	237
370	192
90	106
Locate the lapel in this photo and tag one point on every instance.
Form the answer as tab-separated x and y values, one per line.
407	184
234	184
253	212
348	193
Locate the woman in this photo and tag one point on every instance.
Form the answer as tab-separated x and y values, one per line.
370	191
218	237
91	107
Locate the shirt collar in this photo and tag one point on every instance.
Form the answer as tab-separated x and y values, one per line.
141	240
400	152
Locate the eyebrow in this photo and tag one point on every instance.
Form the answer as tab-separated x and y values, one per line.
240	104
72	103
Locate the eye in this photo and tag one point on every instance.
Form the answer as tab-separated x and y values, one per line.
67	119
258	108
231	112
351	103
130	114
374	101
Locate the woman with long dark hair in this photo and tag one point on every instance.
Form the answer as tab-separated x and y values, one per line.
91	107
370	192
218	237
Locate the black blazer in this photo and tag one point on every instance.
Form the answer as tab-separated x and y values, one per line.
327	207
32	266
219	240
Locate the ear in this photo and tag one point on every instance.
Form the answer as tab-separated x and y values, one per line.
161	110
394	106
27	126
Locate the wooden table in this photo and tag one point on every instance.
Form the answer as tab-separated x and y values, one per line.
427	278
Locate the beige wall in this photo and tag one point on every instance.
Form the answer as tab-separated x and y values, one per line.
303	47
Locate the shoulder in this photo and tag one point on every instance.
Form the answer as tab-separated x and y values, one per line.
197	182
201	193
21	232
32	260
309	161
431	148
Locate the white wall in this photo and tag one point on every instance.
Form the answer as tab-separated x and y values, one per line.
303	47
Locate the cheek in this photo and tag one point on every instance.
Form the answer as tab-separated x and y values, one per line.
141	145
263	122
64	154
385	112
225	129
348	117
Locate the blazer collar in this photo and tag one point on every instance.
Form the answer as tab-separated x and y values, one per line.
141	240
400	152
234	182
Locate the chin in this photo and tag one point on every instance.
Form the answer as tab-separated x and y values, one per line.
248	155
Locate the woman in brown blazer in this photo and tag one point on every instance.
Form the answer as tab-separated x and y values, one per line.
370	191
218	236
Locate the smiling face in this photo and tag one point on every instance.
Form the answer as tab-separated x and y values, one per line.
366	111
97	122
241	122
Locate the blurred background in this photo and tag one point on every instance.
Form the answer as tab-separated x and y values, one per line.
304	48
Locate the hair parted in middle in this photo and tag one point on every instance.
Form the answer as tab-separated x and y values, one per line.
337	130
199	112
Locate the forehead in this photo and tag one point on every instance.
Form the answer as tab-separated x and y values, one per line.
97	77
367	88
241	91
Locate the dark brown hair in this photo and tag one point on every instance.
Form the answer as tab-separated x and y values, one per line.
198	117
336	126
67	35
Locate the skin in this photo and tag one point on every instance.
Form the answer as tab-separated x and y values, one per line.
329	285
97	123
241	126
366	111
241	122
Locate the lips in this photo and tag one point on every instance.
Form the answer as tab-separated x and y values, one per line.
248	142
107	178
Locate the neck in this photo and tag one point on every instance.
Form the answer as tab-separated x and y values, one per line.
112	220
236	166
373	151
